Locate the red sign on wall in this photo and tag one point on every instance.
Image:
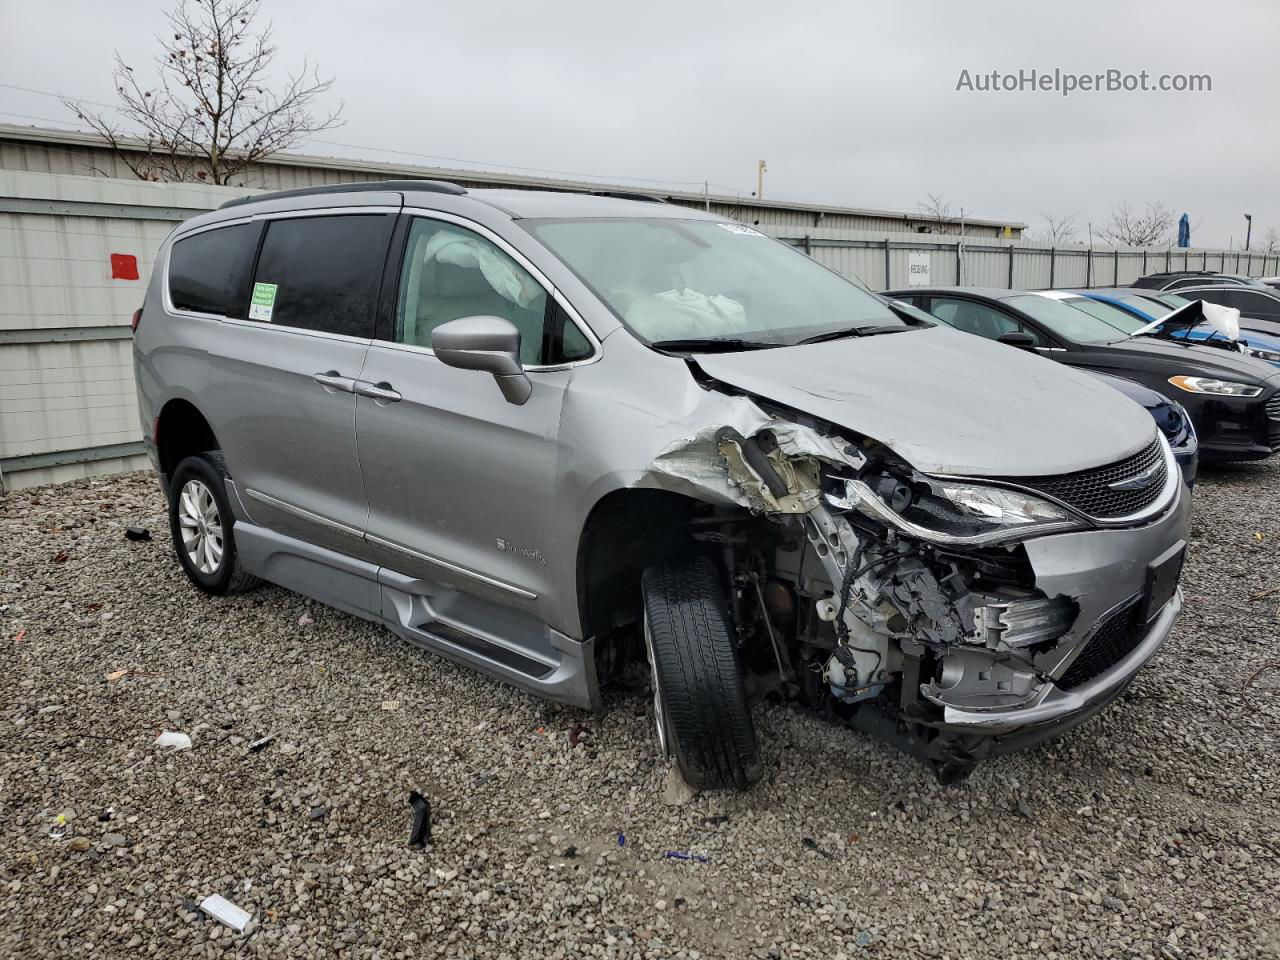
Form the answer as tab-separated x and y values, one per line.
124	266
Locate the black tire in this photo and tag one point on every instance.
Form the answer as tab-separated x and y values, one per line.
226	576
698	692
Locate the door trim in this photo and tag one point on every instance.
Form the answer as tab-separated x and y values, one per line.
451	567
302	513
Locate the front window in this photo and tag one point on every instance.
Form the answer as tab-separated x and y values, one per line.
1108	313
669	279
1065	320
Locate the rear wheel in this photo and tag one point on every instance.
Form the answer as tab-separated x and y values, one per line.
700	704
201	522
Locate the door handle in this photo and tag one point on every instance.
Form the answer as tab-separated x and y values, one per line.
377	392
333	380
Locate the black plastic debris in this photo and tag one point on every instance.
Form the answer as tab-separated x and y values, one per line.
137	534
319	811
715	821
106	814
812	844
570	853
420	832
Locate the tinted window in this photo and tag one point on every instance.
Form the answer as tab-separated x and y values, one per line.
979	319
1106	312
321	273
450	272
209	272
1065	320
1253	304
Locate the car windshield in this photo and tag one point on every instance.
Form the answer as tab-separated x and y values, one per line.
1066	321
1151	306
1174	300
693	280
1107	313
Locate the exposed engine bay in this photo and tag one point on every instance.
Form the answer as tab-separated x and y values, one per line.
873	593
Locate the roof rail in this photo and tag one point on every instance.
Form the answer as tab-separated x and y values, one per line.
627	195
365	186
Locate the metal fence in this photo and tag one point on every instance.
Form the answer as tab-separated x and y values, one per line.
70	245
886	262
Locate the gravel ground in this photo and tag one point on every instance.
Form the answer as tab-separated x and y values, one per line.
1152	831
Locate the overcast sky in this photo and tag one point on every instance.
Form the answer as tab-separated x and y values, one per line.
849	103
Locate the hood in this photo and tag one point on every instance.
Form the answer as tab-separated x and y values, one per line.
1136	392
948	402
1195	359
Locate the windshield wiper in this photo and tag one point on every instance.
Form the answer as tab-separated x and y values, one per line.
853	332
711	345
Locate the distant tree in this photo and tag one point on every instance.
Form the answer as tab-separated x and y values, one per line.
213	110
1151	228
1271	240
1057	230
937	211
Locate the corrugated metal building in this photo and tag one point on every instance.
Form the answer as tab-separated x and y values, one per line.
40	150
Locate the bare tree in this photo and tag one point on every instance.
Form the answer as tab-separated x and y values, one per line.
937	210
1271	240
1057	230
1151	228
212	111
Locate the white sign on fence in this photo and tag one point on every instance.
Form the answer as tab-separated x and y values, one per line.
918	269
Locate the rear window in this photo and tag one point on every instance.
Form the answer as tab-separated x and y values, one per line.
322	273
209	272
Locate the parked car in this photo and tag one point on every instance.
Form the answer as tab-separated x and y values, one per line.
1148	306
526	430
1170	416
1232	399
1259	306
1177	279
1272	282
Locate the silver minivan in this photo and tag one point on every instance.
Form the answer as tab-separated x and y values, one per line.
548	434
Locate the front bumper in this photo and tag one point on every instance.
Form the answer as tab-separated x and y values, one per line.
1106	573
1236	429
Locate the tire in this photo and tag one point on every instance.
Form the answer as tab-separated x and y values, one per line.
202	526
699	700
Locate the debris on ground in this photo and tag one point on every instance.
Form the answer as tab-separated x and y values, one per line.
577	734
305	620
106	814
812	844
62	556
715	820
676	791
420	829
390	704
1269	665
115	675
685	855
174	739
20	636
257	746
79	844
622	839
226	912
318	811
137	534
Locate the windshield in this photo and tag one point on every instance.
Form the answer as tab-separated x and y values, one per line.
1066	321
1107	313
1151	306
1174	300
669	279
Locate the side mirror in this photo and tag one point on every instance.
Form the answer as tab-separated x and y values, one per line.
1016	338
491	344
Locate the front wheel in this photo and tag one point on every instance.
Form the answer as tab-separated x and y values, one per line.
200	522
700	704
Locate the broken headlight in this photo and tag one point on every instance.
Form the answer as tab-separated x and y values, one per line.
946	511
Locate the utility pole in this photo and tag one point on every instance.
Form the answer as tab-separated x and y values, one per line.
706	197
760	170
1248	217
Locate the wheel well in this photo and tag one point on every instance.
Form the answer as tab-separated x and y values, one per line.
627	531
182	431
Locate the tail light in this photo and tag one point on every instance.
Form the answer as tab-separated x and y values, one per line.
137	316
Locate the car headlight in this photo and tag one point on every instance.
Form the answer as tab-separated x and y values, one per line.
1271	356
1219	388
950	512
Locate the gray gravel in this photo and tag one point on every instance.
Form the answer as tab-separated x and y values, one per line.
1152	831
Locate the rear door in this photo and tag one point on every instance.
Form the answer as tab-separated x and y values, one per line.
288	369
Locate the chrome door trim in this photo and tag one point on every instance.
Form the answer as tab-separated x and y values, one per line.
451	567
303	514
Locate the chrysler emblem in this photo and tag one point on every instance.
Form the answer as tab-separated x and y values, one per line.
1139	481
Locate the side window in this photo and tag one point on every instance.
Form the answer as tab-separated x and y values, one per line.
321	273
450	272
209	272
1256	305
979	319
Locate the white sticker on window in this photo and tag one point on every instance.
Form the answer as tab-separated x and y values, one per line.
741	229
262	301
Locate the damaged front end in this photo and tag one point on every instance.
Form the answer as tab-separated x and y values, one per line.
957	616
